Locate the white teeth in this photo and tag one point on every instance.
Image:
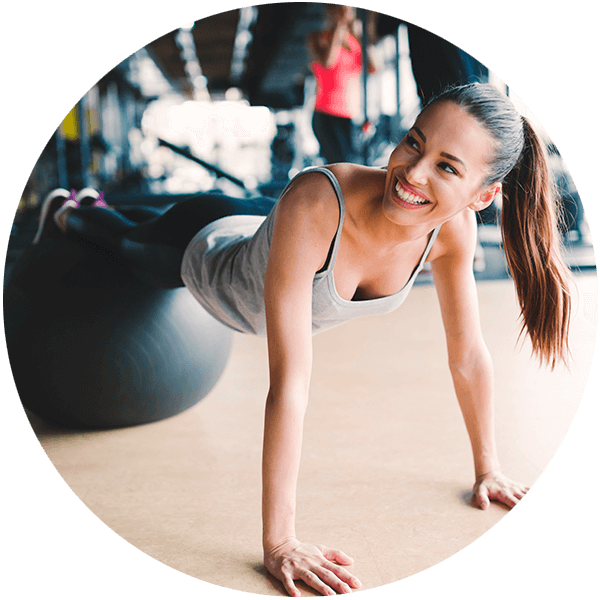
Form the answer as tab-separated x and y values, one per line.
408	197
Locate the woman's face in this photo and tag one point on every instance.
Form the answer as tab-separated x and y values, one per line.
437	171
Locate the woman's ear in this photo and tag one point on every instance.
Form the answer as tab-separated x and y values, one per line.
486	197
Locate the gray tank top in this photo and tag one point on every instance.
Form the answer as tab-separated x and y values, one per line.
224	267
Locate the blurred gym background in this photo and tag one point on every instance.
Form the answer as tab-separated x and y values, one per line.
225	104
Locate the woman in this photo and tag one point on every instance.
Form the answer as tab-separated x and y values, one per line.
337	63
289	279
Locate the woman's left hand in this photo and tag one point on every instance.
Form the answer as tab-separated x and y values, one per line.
496	486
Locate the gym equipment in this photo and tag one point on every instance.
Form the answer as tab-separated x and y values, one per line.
92	347
208	166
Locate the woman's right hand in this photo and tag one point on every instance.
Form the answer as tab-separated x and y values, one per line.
318	566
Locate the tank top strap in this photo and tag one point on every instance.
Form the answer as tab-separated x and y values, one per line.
432	238
333	249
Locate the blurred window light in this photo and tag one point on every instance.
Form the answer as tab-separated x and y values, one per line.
231	134
185	40
243	38
147	76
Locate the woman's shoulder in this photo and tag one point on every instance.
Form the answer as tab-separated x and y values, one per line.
309	188
309	203
314	193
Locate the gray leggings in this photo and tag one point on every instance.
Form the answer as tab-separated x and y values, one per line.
154	247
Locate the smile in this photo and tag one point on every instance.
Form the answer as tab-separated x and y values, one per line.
409	197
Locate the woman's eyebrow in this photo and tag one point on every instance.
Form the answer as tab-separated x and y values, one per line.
420	133
451	157
444	154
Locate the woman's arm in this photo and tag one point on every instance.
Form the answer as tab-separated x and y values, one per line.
324	46
468	357
305	224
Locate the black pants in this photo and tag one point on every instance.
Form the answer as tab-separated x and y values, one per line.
154	247
335	136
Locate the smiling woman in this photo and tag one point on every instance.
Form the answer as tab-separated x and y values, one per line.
348	240
440	165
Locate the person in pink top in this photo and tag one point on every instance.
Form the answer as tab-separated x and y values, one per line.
337	65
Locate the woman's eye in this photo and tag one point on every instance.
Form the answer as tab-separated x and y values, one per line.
410	141
448	168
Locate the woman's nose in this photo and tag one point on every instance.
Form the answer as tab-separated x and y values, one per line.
416	171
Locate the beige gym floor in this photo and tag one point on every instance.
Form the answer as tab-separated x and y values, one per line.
386	469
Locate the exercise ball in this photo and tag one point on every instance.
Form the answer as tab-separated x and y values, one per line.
93	347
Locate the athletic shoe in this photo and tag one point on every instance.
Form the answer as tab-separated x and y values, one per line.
91	197
60	215
53	201
86	197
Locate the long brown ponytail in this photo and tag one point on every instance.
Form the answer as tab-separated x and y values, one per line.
532	248
529	217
